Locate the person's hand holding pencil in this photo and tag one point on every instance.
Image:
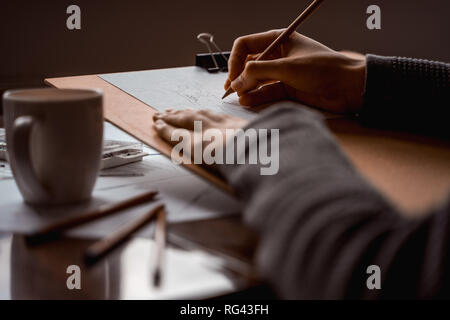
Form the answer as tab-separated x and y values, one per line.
300	68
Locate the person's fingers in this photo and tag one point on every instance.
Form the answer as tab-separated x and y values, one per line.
169	134
265	94
243	46
227	84
183	118
250	57
164	131
255	73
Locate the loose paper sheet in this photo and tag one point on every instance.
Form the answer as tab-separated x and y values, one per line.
179	88
186	196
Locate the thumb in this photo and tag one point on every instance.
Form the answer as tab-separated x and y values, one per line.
254	73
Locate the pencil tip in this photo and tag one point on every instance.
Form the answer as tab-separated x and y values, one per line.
227	93
157	278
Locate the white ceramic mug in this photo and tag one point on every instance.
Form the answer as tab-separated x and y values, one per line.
54	140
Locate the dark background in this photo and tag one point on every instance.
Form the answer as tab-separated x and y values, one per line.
143	34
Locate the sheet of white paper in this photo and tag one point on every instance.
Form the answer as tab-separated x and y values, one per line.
186	196
187	87
187	274
179	88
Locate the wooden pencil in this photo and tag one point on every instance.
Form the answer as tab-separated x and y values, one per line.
284	35
49	231
160	243
107	244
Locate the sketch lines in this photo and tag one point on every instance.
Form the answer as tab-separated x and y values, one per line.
179	88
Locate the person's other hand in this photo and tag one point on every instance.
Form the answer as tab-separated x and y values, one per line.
301	69
167	122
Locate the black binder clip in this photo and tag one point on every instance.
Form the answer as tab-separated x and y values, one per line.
212	61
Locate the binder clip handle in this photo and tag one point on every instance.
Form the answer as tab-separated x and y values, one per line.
214	61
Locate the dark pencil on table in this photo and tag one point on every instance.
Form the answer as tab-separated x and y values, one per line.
103	211
107	244
284	35
160	243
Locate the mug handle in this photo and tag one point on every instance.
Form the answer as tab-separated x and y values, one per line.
21	150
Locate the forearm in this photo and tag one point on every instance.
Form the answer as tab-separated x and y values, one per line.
321	224
406	93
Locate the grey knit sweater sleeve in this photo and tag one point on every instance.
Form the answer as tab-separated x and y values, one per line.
407	93
322	225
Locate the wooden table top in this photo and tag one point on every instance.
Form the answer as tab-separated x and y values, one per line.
412	171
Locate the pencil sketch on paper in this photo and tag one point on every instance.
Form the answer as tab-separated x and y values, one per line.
179	88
